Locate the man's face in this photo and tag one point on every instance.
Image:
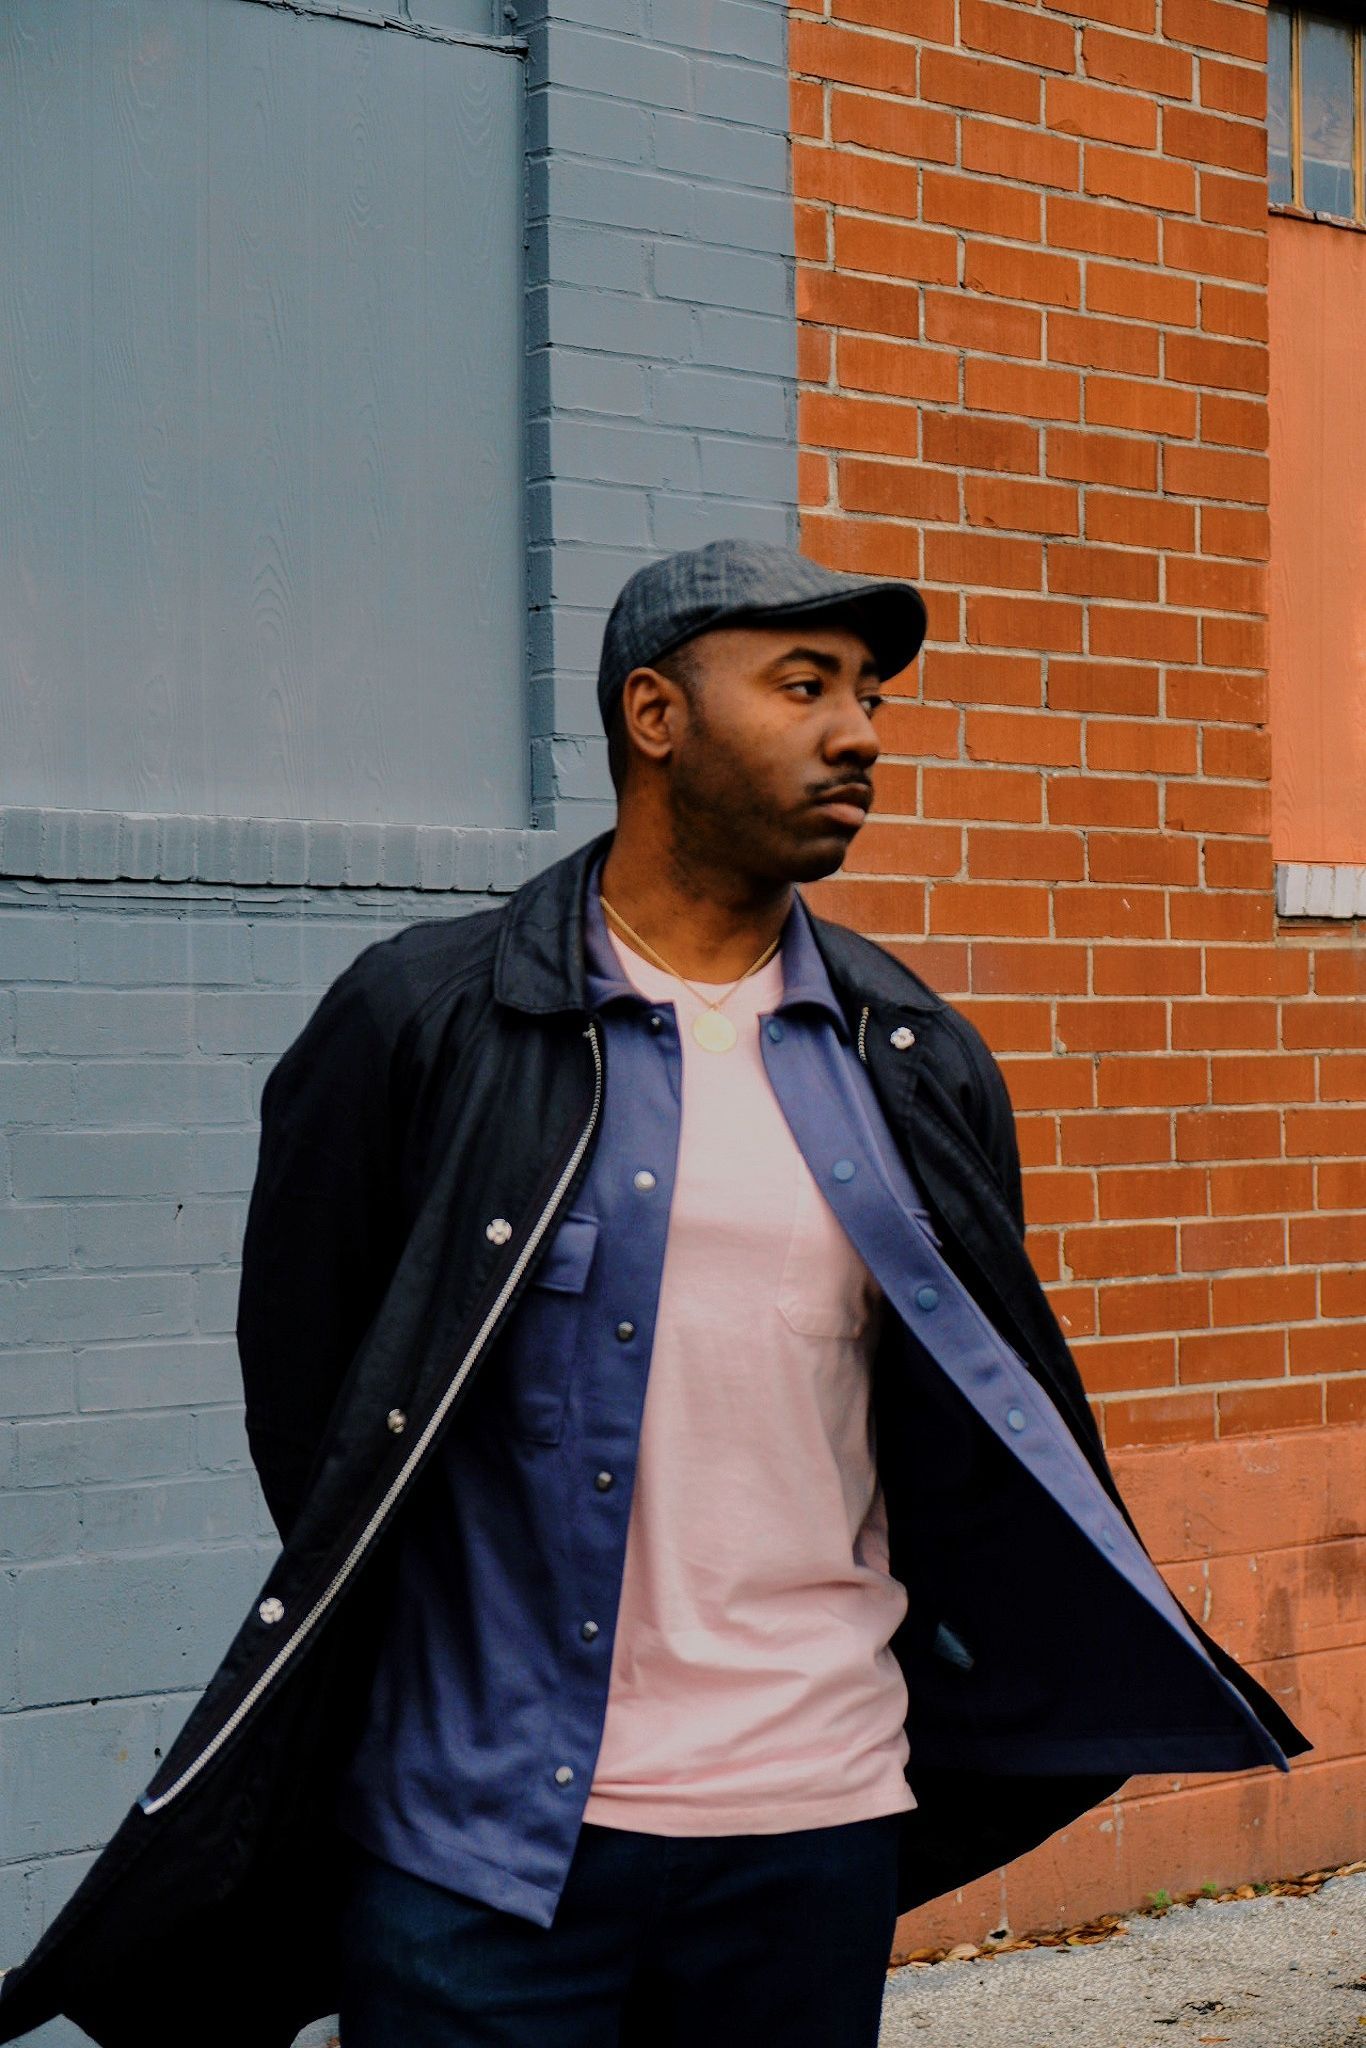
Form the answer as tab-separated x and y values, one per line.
774	747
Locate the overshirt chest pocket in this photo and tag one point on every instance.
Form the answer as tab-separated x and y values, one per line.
544	1333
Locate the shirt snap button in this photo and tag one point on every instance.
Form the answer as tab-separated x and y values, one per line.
499	1231
903	1038
1016	1418
564	1775
625	1332
271	1610
927	1297
588	1630
603	1481
644	1180
775	1029
396	1421
843	1169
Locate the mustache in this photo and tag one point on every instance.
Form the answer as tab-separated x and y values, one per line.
855	787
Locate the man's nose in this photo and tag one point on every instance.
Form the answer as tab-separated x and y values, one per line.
853	735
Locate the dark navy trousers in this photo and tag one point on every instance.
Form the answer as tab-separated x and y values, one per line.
659	1941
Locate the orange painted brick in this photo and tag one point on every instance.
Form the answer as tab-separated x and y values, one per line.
894	127
1224	1026
1144	747
1052	1083
1329	1348
1027	507
896	369
1234	422
1045	1255
1230	530
1341	971
1140	15
1109	1140
907	728
1235	310
1097	344
1001	968
815	354
904	490
1245	1411
1208	914
870	547
981	86
1343	1294
1032	275
1086	800
1101	458
1214	473
1141	635
1263	1298
827	419
1024	622
1014	32
933	18
1005	794
961	442
1101	229
1207	1355
1059	1197
1105	686
1074	107
1039	856
1125	1192
985	325
1008	908
1093	913
1087	571
1146	971
1123	1083
954	675
1210	139
1151	857
1214	252
1345	1399
981	204
1159	1419
842	177
1142	180
1234	1243
1044	738
1140	294
1237	700
1234	643
1233	88
1075	1309
1342	1184
898	789
1228	365
1141	406
824	50
1120	1365
1228	1134
904	849
841	300
1216	586
806	101
1219	807
1230	201
943	963
1151	67
1159	1305
1139	521
1253	1077
1255	971
1229	26
1010	1026
1342	1079
813	236
1021	389
1318	1240
1000	151
984	560
885	248
1117	1251
813	479
1112	1026
1238	1190
877	907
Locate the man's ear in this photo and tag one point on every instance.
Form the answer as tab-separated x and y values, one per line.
651	706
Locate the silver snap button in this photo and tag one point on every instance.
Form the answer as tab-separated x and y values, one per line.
625	1332
588	1630
1016	1418
271	1610
644	1180
396	1421
903	1038
927	1297
604	1481
565	1775
499	1231
843	1169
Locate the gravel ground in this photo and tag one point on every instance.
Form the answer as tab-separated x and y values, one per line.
1256	1973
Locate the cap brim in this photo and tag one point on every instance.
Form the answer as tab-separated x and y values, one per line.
891	617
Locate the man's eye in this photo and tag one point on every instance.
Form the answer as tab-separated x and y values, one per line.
872	704
806	683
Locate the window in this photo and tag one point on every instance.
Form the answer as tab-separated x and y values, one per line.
1316	112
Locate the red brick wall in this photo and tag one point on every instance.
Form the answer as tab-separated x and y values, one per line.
1031	284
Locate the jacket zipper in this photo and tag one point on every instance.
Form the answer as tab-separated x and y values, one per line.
400	1480
862	1035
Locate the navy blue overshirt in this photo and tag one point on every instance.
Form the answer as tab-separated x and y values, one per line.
490	1693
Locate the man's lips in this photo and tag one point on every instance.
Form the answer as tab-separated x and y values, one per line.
846	805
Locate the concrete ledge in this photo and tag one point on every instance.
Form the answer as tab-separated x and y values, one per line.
1311	889
103	846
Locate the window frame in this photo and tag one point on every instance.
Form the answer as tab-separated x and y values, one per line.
1356	22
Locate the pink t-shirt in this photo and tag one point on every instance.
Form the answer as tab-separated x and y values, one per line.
752	1687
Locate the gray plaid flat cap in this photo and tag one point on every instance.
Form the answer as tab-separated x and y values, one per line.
734	582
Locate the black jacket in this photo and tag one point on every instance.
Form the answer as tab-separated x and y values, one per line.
451	1076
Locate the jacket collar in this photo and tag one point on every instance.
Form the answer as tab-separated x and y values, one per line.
539	966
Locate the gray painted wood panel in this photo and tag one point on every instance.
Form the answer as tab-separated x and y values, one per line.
261	476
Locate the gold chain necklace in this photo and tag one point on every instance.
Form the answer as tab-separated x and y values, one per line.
713	1032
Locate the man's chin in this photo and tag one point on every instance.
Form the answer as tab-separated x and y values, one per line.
821	855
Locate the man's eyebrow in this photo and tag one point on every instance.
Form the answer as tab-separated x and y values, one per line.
819	658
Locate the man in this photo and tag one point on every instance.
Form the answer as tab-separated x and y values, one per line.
697	1546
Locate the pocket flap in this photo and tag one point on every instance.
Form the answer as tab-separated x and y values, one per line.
566	1265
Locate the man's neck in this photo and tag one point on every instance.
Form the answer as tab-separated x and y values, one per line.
707	922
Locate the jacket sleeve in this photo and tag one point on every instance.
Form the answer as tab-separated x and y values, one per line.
316	1255
993	1117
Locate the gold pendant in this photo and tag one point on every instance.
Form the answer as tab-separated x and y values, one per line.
713	1031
